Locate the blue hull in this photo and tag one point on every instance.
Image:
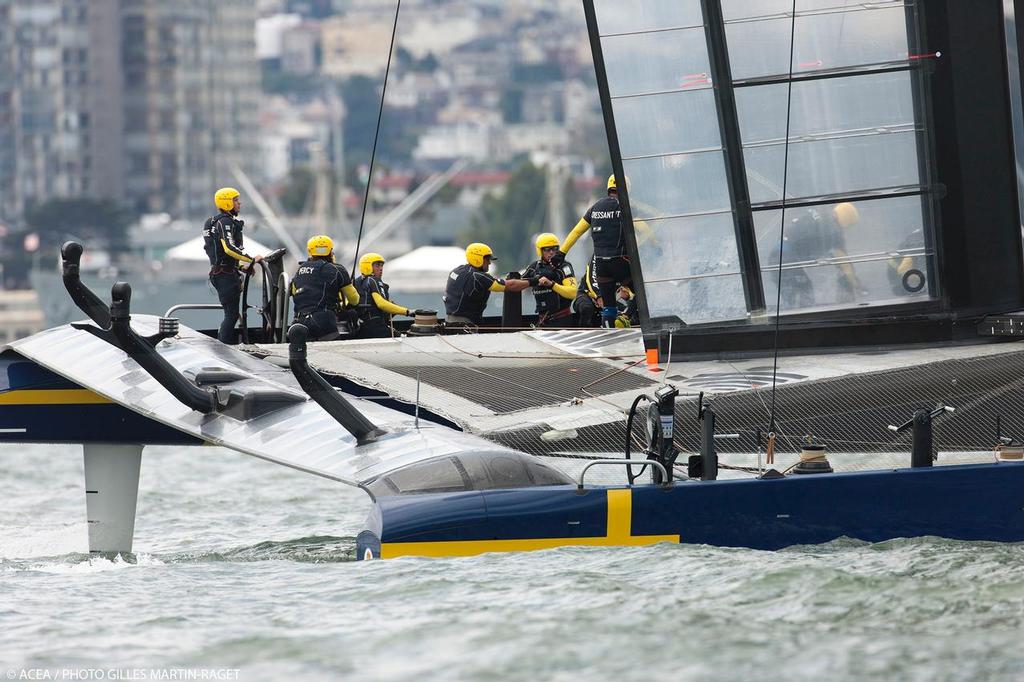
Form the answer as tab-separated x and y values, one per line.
969	502
38	406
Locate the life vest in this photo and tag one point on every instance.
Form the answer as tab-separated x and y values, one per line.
605	218
548	301
218	230
368	311
316	286
467	292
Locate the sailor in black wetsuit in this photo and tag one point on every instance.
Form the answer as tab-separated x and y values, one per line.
586	309
809	237
375	305
604	220
554	287
223	242
469	287
320	289
587	306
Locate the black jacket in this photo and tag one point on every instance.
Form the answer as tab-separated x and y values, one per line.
467	292
317	285
547	299
369	313
605	218
223	241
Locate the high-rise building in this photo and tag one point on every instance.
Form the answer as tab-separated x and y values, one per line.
142	101
47	108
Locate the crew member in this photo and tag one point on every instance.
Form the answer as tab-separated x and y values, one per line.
469	286
629	313
586	308
320	289
375	305
554	299
588	304
907	267
604	220
223	242
810	237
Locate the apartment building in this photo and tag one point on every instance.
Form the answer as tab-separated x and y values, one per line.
143	101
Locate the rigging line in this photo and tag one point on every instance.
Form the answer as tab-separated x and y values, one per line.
521	356
476	370
376	137
754	388
782	225
583	389
517	384
588	394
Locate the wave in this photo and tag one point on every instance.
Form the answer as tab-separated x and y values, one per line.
314	549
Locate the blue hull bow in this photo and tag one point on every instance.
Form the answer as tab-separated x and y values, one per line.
968	502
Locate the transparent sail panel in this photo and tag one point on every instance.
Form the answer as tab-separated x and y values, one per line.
834	166
845	254
616	16
655	62
847	134
761	9
680	184
668	123
855	133
700	299
870	102
690	247
826	40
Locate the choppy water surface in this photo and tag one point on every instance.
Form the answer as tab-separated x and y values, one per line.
243	564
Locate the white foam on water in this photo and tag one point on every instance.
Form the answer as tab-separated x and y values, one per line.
78	564
70	538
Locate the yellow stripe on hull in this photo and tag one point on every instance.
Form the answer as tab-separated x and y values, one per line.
70	396
619	534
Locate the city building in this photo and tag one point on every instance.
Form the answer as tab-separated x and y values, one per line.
300	49
141	101
355	44
52	80
191	98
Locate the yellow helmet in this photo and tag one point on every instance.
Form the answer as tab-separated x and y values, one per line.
320	245
224	199
476	252
611	183
846	214
367	261
546	241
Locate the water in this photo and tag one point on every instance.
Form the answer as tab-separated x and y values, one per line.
245	565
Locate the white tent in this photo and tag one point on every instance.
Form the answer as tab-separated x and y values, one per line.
192	250
423	270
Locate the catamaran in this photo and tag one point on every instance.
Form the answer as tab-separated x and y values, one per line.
826	247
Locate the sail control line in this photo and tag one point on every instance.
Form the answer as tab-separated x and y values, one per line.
772	426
